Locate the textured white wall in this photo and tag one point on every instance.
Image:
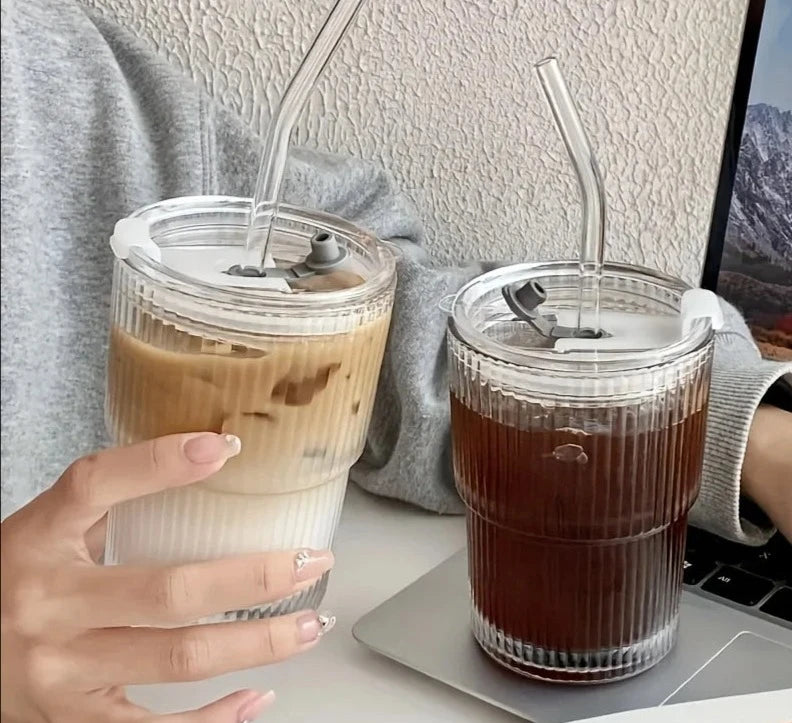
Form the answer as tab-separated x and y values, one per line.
442	92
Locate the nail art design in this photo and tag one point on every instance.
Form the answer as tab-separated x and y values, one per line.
233	443
301	559
327	622
309	564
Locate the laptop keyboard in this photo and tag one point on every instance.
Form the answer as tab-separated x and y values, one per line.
753	578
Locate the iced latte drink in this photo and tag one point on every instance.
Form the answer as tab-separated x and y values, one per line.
291	371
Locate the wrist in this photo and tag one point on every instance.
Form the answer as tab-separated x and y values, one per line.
767	468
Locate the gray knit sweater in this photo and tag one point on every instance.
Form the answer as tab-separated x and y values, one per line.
95	125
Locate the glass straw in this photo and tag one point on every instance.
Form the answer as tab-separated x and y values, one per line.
577	144
273	161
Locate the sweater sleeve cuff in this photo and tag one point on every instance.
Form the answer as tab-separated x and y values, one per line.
736	392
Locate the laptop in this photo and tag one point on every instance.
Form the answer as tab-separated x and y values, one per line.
735	633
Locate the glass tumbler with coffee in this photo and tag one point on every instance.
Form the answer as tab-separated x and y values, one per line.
251	318
578	405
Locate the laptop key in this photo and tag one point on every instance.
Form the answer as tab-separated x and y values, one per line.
729	553
737	585
779	604
782	550
768	562
696	569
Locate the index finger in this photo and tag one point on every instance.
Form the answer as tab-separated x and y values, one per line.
94	484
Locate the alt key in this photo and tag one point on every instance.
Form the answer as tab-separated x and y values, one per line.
737	585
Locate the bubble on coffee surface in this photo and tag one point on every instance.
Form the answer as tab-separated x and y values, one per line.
575	431
570	453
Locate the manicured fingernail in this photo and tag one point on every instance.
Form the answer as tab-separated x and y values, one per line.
309	564
207	448
313	626
308	627
252	709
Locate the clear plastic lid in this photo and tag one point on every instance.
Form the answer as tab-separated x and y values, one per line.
182	252
646	318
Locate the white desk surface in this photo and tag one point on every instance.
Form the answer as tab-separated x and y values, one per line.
771	707
381	547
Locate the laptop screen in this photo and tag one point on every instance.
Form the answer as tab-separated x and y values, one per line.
749	260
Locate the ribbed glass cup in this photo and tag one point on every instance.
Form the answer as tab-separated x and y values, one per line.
293	375
578	471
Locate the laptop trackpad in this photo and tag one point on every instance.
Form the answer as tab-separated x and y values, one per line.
748	664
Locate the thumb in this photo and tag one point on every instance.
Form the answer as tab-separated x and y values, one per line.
243	706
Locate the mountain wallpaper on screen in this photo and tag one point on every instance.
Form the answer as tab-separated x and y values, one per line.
756	270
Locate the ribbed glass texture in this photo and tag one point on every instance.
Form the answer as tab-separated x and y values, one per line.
577	507
298	395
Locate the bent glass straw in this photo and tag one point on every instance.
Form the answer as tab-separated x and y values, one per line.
592	240
266	198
